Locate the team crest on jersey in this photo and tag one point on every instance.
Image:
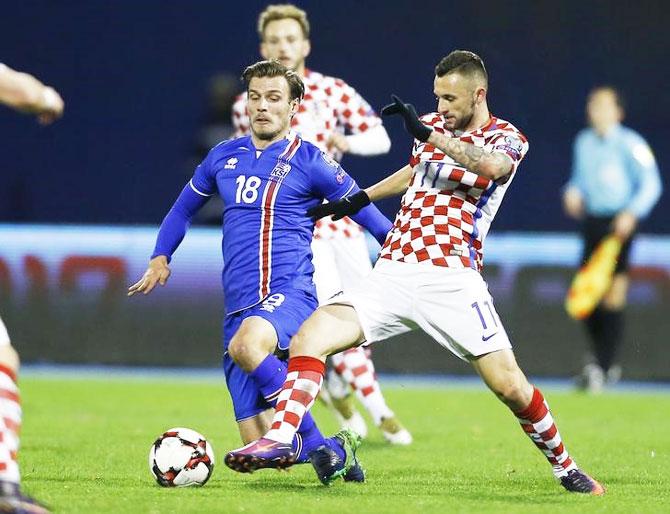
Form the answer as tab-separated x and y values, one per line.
341	176
231	163
280	170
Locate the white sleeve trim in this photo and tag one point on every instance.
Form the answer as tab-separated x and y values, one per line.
190	183
374	141
348	190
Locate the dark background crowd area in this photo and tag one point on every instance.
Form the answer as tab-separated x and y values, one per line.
135	75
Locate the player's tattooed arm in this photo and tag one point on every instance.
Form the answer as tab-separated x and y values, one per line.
492	165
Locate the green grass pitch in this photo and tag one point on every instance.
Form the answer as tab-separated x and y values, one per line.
85	445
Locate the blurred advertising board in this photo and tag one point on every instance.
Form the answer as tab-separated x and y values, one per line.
63	298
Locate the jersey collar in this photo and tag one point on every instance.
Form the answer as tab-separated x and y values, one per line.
282	143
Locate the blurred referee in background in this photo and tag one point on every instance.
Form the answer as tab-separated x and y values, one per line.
615	183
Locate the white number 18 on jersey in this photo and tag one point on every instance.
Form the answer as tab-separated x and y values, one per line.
247	189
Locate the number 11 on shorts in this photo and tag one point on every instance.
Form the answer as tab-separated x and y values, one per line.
491	328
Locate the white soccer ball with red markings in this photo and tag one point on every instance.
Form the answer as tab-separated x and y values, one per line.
181	457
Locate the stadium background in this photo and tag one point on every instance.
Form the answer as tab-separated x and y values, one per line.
133	76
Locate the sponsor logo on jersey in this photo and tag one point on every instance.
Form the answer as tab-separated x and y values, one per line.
281	170
231	163
341	176
339	293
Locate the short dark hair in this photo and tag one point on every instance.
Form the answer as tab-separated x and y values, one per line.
618	95
274	68
462	61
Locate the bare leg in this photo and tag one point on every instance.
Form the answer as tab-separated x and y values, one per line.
503	376
330	329
254	428
252	343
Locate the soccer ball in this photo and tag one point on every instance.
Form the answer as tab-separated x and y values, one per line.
181	457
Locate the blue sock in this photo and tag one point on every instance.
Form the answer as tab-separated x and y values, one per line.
269	377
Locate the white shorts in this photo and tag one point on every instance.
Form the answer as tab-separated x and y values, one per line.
453	306
339	264
4	336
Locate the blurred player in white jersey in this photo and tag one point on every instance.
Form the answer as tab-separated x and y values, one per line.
428	274
334	117
24	93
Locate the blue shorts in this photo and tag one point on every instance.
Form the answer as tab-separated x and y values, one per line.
286	311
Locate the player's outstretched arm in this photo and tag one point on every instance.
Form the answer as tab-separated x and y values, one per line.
24	93
158	272
172	232
374	221
393	185
491	165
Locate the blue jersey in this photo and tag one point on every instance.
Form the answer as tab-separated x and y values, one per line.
615	172
266	235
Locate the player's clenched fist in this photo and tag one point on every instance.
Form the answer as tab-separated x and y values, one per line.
157	273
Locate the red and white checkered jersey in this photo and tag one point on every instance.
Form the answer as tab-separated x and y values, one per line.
330	106
447	210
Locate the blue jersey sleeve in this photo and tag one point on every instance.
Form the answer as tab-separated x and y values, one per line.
204	181
643	167
372	219
194	195
577	176
331	182
176	222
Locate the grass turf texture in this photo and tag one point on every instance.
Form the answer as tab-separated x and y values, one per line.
85	445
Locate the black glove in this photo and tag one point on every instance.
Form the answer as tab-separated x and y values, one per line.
346	206
413	124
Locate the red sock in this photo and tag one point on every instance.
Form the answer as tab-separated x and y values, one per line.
10	425
303	382
536	420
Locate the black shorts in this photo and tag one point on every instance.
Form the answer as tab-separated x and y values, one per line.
594	230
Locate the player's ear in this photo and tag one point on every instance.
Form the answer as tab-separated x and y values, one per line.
306	48
295	103
263	51
480	95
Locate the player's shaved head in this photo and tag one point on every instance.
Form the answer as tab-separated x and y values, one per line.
275	69
466	63
282	12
